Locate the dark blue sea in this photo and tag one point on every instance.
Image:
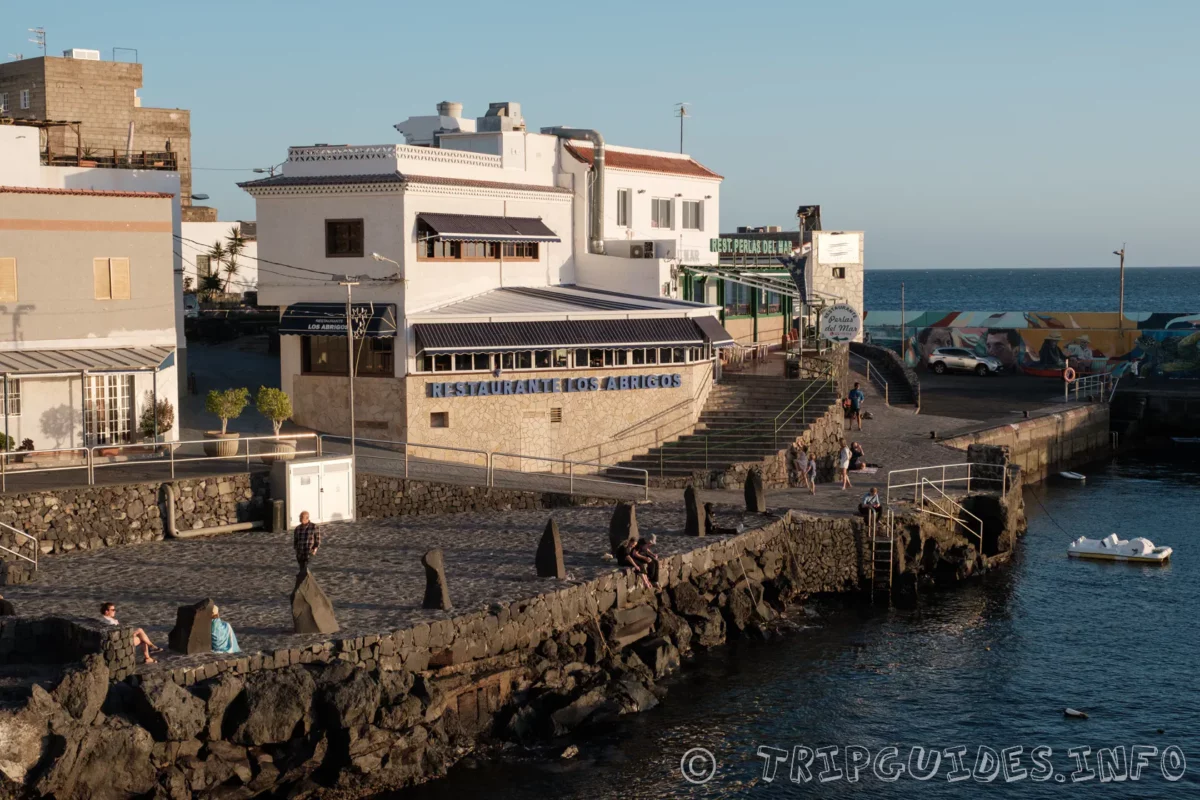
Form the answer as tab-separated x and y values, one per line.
989	665
1147	289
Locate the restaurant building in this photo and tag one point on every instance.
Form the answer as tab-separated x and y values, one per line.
513	291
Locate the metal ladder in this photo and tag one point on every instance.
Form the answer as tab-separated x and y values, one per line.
882	543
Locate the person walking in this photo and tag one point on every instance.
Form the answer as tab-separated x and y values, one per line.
306	540
806	469
843	465
856	398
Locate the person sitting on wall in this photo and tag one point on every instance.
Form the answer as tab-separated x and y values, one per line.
108	615
643	553
224	640
871	502
626	557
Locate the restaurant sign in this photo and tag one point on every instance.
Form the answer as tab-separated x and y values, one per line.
840	323
770	247
614	383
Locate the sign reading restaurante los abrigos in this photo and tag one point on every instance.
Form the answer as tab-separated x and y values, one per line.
549	385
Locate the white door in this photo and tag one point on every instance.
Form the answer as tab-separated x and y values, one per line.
335	492
304	494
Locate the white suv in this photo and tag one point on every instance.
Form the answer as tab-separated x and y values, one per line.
957	358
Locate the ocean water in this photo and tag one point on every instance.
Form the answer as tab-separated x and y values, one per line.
992	665
1148	289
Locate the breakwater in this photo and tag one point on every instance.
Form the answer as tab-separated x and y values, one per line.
354	714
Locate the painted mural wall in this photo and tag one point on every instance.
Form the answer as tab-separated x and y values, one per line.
1153	345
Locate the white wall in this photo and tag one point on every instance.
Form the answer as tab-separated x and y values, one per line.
20	163
209	233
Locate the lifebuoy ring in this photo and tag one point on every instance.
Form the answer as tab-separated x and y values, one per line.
1069	375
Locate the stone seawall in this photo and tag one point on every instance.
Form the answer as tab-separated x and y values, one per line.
357	715
388	496
1044	445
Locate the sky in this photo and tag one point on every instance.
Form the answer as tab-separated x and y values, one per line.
956	134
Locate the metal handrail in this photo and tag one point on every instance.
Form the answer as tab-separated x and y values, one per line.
955	505
571	469
944	481
487	457
1100	384
23	454
172	446
878	379
36	547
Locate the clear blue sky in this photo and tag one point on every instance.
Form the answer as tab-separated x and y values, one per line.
954	133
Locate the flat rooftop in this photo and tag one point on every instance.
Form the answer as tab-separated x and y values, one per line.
561	301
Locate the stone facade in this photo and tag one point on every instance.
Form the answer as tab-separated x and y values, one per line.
386	496
107	516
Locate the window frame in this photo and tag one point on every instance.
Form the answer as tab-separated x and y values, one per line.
368	354
5	263
331	238
698	207
624	207
655	221
26	99
3	102
14	391
112	278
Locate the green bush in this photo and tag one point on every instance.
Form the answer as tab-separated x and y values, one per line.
227	405
275	405
166	415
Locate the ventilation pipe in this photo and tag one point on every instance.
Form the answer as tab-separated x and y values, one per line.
596	209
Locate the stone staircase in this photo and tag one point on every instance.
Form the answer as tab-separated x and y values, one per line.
738	425
899	391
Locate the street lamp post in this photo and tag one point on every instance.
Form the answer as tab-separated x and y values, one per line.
1121	307
399	269
349	282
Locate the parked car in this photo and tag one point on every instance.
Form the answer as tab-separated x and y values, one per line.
957	358
191	306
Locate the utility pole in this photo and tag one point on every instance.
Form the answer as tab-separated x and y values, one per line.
903	327
350	281
1121	306
681	112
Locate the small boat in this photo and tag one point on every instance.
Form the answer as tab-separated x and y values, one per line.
1072	476
1111	548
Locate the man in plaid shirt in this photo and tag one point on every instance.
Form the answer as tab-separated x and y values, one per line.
306	540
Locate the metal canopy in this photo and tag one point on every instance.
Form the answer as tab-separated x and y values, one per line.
477	228
99	359
465	337
781	283
377	320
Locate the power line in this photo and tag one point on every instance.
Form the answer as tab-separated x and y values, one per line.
261	269
328	275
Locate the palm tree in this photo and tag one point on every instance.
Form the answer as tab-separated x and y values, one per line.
235	244
216	258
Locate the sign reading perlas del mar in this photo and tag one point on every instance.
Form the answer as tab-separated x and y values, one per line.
613	383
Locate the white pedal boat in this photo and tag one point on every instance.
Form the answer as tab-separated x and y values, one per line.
1111	548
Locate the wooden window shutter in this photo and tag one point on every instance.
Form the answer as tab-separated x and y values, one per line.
100	279
8	280
119	271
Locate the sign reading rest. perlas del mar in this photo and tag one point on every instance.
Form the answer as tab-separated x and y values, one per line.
840	323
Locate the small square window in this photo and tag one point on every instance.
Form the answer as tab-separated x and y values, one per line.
839	272
439	419
343	238
556	414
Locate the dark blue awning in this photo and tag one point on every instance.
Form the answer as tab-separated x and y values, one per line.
377	320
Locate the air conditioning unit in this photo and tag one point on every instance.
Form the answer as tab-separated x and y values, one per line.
81	54
648	250
635	251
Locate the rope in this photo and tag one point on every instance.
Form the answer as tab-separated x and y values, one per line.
1047	513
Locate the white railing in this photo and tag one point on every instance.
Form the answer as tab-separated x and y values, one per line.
1100	386
490	458
393	152
875	377
20	533
948	513
945	475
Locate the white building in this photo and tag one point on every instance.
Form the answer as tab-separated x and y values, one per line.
511	259
89	281
197	253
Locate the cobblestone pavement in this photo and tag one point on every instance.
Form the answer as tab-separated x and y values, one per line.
371	570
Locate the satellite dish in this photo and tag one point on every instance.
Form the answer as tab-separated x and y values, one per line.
199	197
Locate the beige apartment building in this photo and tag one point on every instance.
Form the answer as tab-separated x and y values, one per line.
87	314
108	124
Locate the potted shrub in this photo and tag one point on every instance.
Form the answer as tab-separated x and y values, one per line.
165	413
226	405
26	447
275	405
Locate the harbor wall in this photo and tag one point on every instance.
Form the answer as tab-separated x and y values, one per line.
1047	444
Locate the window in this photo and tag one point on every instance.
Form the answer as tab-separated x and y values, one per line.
521	251
439	419
108	414
692	220
203	267
556	414
768	302
438	250
8	280
660	212
110	277
624	197
13	404
737	299
3	102
343	238
326	355
24	99
839	272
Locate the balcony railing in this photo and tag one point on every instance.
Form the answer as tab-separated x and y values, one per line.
113	159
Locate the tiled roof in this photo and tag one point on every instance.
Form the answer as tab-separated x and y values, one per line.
392	177
81	192
477	336
640	162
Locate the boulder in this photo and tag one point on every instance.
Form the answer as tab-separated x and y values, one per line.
312	612
170	713
675	628
688	601
756	495
658	654
347	695
549	561
102	762
709	629
217	695
394	687
193	628
437	593
622	526
627	625
697	519
273	705
576	713
82	691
